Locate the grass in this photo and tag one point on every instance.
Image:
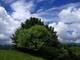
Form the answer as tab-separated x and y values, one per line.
16	55
77	49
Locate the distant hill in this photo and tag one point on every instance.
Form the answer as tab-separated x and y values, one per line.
75	44
7	47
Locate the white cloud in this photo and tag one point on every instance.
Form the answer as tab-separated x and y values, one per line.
21	10
2	36
69	21
77	41
70	15
61	29
7	24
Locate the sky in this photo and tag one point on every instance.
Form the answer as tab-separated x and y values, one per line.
63	15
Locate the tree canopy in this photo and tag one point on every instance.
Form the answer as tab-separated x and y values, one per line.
35	35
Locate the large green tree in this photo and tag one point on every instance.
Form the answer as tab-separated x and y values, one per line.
35	35
34	32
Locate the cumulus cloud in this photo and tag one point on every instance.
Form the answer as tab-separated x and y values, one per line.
68	25
7	24
70	15
21	10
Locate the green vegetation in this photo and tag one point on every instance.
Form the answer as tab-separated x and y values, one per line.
34	35
33	38
16	55
76	49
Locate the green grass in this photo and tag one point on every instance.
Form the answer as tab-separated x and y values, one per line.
77	49
16	55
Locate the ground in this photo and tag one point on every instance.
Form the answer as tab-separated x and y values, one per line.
16	55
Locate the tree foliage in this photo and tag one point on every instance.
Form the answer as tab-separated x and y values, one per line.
35	35
33	31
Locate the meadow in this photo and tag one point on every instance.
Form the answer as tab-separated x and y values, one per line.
17	55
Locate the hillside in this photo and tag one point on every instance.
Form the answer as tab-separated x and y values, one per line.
16	55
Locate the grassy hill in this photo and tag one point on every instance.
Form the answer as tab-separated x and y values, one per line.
16	55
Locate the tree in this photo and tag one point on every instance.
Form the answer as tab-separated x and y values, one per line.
35	35
31	22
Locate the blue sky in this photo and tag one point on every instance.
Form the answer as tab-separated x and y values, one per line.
44	4
63	15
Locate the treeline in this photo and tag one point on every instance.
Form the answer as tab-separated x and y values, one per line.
6	47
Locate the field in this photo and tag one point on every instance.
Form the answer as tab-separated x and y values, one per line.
16	55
